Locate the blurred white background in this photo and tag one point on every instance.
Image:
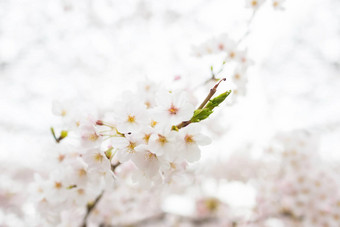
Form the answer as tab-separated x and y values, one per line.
92	50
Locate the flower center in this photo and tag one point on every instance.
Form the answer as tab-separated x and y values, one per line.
131	147
150	156
173	110
147	104
212	204
172	165
146	137
254	3
98	157
61	157
58	185
153	123
80	191
63	113
82	172
189	139
131	119
162	139
93	137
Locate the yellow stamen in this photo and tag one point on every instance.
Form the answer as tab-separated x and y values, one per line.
131	119
172	165
212	204
131	147
146	138
189	139
173	110
98	157
147	104
63	113
80	191
58	185
149	156
82	172
153	123
162	139
93	137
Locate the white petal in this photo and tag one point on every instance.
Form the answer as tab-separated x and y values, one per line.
202	139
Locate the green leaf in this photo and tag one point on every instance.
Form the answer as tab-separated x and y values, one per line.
217	100
201	114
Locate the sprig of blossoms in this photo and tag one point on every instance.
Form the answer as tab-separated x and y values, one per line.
235	57
156	134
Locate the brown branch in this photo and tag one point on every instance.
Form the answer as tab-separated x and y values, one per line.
211	93
160	217
206	100
90	207
113	167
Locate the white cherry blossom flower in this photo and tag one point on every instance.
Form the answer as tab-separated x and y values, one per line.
125	147
278	4
148	162
130	115
161	142
254	4
97	161
189	139
173	107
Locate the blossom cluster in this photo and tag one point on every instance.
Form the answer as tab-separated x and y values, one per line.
235	57
147	139
304	190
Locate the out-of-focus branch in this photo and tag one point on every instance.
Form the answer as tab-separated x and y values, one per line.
113	167
161	216
90	207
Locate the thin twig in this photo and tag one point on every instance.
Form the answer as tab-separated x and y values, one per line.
247	32
90	207
161	216
211	93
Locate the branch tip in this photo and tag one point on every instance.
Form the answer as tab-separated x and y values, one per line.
216	85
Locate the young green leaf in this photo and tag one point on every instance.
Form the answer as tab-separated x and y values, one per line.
201	114
217	100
